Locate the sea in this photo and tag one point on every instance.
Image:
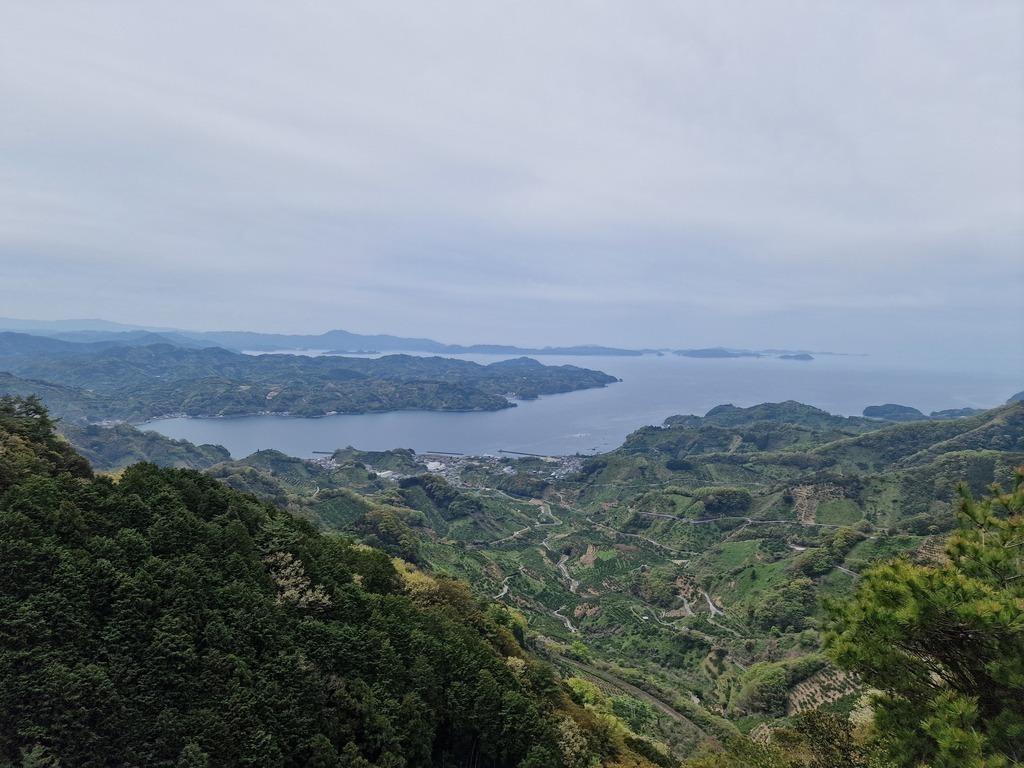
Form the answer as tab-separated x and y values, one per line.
650	389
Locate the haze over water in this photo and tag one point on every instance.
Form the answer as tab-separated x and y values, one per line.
598	420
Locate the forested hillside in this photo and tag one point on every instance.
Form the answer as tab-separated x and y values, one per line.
167	619
104	381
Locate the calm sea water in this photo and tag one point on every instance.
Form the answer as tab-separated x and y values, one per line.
652	389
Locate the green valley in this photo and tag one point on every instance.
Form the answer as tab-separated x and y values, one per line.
688	569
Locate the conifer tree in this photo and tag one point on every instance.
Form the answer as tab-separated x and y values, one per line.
944	643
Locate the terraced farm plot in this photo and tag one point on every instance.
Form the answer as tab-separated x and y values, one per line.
933	549
749	582
730	474
684	506
838	512
836	583
536	559
682	535
771	507
607	688
886	503
822	687
737	553
340	511
615	612
883	548
609	561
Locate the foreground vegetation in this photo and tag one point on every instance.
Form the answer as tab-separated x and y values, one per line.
943	643
166	619
719	591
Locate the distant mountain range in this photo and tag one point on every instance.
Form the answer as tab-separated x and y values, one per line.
337	342
331	342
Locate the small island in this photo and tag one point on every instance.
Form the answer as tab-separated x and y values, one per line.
715	352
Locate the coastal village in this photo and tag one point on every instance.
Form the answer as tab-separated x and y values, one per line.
452	466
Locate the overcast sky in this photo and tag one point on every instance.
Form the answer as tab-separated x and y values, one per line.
824	175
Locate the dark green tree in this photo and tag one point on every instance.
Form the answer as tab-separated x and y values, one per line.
168	620
945	642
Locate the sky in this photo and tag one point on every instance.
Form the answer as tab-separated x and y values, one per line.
840	175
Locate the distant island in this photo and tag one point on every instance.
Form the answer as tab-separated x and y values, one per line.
906	413
136	380
715	352
721	352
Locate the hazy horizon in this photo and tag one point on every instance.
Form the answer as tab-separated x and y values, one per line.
845	177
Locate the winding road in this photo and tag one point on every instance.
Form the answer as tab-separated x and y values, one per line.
505	581
568	624
573	584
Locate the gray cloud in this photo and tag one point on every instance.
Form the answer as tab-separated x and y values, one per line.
791	173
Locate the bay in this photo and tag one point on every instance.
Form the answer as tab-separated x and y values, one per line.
651	389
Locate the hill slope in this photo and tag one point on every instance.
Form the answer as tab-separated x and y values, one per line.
169	620
690	562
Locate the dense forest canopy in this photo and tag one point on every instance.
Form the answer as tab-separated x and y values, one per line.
167	619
